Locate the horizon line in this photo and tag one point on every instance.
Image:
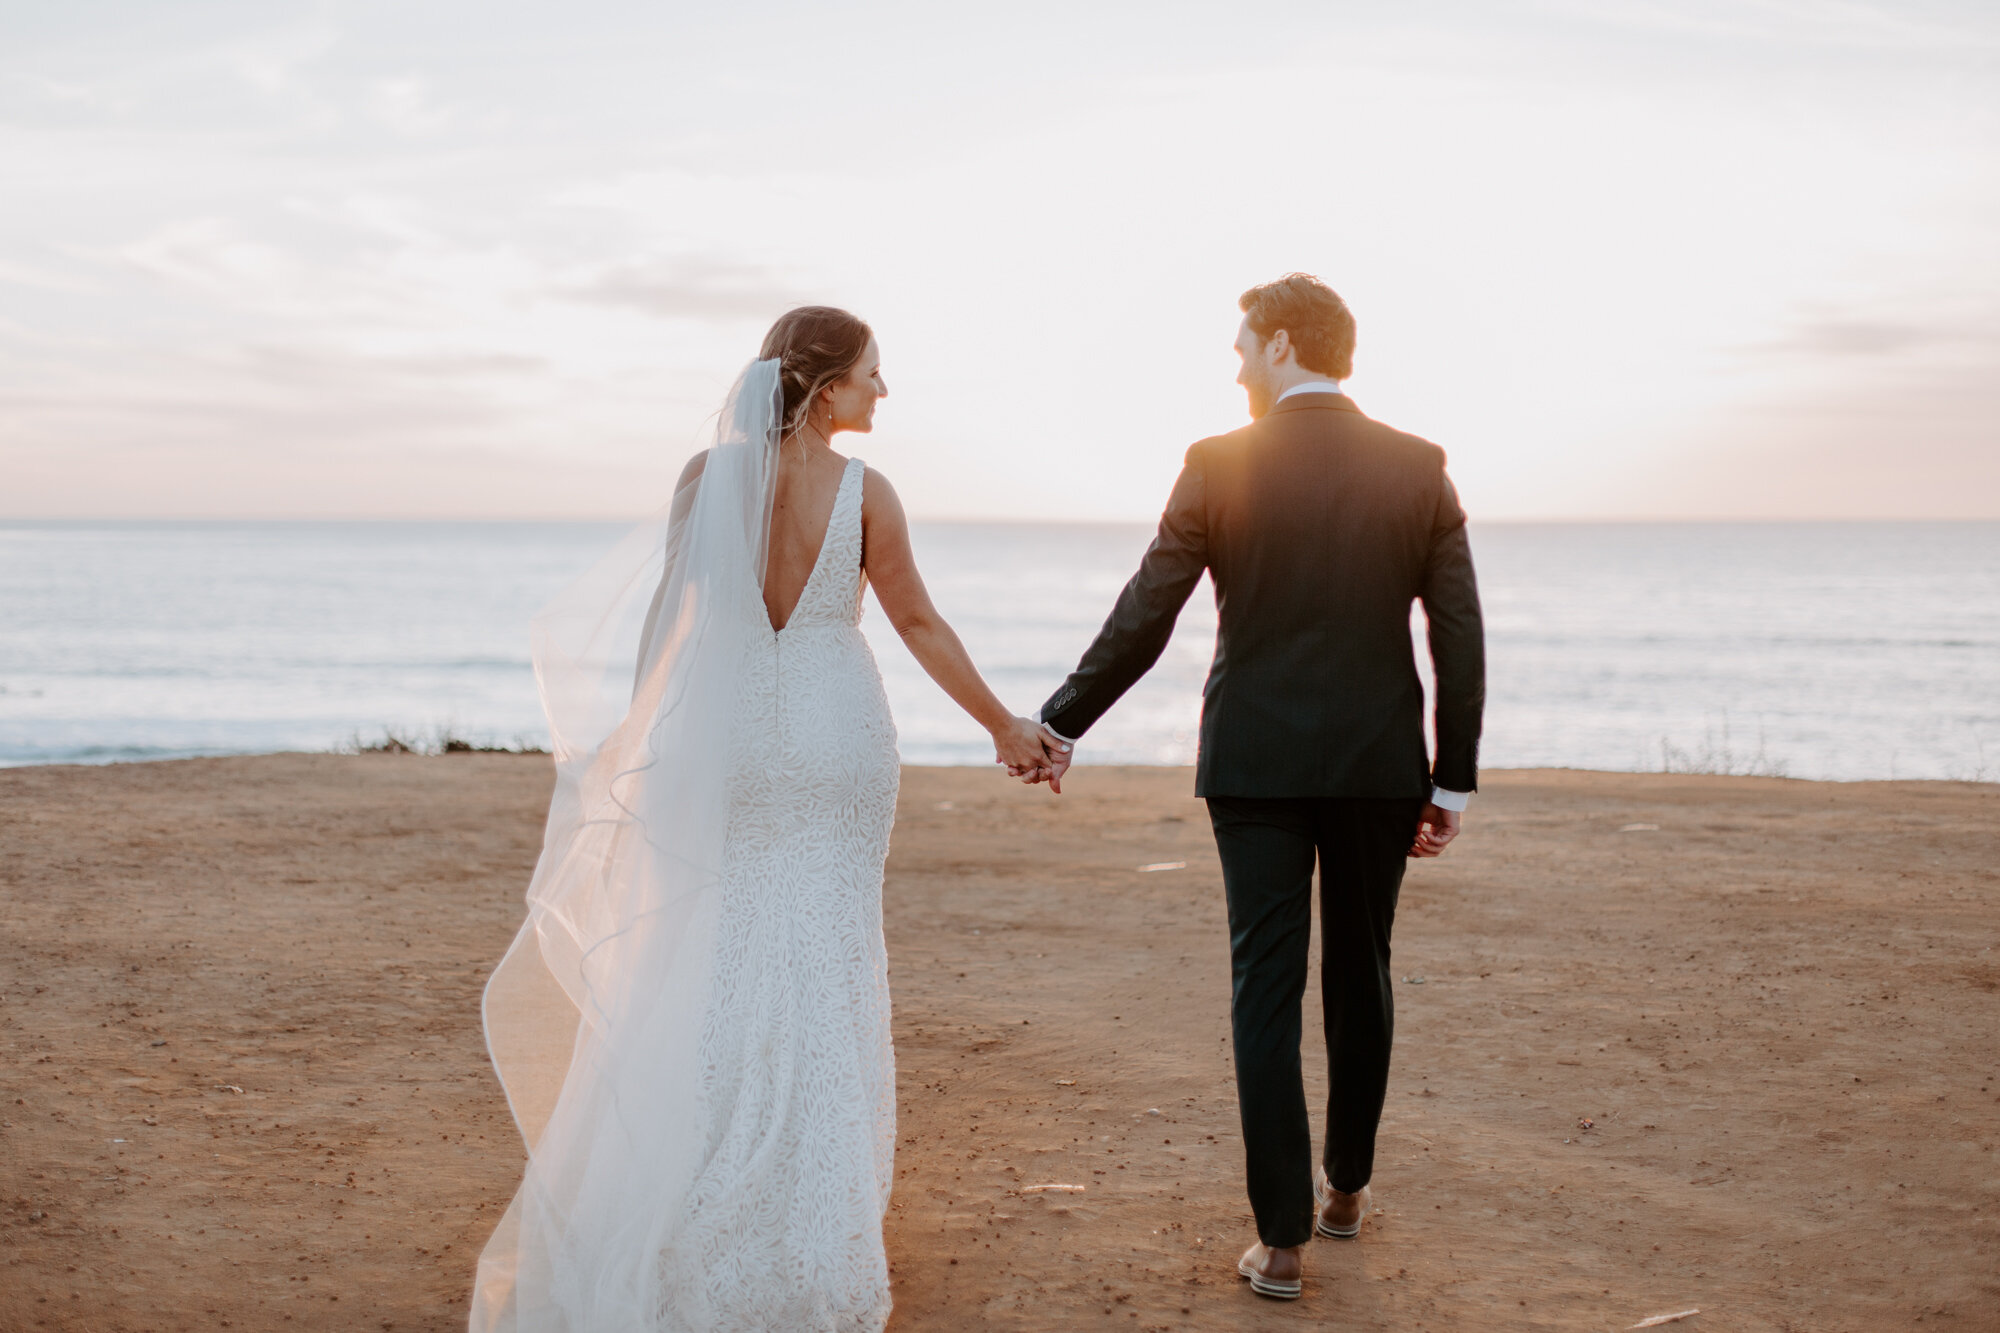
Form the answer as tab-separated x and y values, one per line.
1622	520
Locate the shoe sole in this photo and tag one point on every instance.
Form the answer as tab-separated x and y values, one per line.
1275	1288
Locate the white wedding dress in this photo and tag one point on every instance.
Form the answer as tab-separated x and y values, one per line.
693	1024
786	1224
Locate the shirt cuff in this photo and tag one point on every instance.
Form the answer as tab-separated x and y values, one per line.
1450	800
1066	740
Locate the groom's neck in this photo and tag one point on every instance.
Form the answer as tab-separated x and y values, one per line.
1289	377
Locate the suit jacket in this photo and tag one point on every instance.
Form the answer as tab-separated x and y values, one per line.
1319	526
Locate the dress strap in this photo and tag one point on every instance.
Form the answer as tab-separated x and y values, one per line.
847	525
847	503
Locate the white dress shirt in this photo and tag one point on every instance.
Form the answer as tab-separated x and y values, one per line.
1442	799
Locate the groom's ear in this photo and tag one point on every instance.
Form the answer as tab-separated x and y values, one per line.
1278	346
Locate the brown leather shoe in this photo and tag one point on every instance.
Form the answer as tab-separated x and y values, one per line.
1278	1274
1335	1214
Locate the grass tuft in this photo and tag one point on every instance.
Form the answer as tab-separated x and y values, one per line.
439	740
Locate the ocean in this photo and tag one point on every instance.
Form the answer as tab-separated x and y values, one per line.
1808	650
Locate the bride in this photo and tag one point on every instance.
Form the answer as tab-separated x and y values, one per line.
692	1026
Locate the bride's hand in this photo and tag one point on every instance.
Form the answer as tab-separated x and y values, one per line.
1017	743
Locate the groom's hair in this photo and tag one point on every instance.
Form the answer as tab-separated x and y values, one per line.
1319	322
816	345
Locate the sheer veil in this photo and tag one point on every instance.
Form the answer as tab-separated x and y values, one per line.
593	1016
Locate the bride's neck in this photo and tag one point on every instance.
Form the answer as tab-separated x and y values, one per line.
807	443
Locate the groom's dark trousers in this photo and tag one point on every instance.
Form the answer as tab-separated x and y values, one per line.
1320	528
1268	847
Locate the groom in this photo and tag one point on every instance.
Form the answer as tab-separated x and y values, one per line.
1319	527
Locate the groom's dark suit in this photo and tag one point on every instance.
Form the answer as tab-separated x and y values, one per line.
1319	528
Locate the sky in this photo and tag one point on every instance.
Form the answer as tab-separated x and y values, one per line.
1621	258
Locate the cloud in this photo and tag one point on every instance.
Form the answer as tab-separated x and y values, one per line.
1844	24
347	267
688	288
354	374
299	431
212	254
40	278
1841	335
271	62
408	106
279	396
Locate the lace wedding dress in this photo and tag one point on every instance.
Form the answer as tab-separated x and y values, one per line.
692	1026
786	1228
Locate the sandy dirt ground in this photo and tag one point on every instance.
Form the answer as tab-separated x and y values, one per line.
242	1083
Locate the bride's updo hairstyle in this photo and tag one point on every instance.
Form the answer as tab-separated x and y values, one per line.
816	345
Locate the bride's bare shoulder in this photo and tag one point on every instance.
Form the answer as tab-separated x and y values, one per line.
693	470
878	497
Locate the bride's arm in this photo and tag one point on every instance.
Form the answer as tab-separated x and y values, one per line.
891	566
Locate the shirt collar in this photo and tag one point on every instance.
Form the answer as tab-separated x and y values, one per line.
1312	386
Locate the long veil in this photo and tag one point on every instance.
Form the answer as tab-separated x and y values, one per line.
593	1017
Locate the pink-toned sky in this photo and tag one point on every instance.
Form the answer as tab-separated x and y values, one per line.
1623	258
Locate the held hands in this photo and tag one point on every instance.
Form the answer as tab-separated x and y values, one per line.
1060	756
1031	753
1436	827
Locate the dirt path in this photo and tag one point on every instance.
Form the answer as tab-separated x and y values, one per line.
1777	1008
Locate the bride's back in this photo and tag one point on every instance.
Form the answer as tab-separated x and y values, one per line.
802	507
830	379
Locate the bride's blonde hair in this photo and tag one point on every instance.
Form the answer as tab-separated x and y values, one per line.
816	345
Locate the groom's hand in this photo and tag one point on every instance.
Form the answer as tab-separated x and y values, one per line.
1059	751
1023	747
1055	763
1436	827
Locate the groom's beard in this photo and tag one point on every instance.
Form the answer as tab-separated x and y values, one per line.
1261	399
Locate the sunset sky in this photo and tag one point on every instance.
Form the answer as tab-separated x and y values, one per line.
1622	258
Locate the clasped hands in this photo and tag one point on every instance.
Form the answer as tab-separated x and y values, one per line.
1031	752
